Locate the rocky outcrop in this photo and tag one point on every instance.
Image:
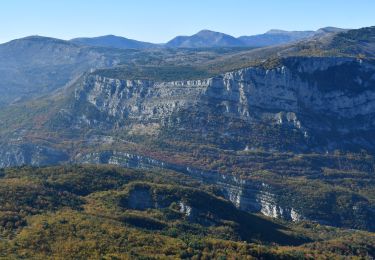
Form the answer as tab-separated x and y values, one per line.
30	154
295	87
247	195
140	99
185	208
324	100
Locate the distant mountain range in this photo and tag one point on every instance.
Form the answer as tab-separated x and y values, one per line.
113	41
274	37
208	39
37	65
205	38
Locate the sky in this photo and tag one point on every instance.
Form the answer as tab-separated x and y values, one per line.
161	20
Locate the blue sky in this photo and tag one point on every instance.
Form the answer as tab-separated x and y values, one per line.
161	20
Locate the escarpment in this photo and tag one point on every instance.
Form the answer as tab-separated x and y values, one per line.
310	100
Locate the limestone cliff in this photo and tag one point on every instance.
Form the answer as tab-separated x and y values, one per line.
326	103
248	194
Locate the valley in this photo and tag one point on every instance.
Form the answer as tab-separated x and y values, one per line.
189	151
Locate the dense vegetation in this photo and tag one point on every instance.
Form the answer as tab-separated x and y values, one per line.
76	212
359	42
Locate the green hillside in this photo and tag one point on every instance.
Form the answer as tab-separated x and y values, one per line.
81	212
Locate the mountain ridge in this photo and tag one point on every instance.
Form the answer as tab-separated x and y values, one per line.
269	38
203	39
113	42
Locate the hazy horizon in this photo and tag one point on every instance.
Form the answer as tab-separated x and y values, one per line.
160	21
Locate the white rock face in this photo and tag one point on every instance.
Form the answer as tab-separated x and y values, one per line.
141	99
284	94
271	208
251	197
245	195
291	96
284	90
295	216
185	209
235	195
